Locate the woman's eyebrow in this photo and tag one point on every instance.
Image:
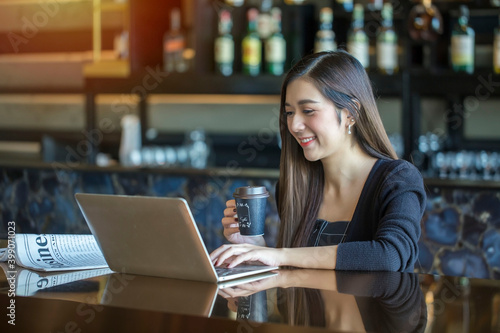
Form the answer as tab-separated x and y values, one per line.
304	101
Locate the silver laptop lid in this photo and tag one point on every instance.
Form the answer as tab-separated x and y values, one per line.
147	236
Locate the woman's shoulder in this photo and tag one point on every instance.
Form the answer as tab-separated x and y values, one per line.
398	179
399	171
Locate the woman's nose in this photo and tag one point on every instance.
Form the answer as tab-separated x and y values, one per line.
297	124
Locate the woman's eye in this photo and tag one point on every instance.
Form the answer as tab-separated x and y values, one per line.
308	111
288	113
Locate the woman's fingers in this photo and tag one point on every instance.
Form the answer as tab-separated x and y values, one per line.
218	251
238	259
230	212
231	203
227	251
229	222
224	255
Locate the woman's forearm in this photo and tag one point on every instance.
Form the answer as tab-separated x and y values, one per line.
308	278
320	257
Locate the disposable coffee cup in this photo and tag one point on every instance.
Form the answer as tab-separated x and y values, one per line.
251	209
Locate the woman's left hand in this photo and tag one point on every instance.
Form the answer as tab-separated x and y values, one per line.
235	254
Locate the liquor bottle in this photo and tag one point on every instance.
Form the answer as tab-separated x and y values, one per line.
121	45
357	40
425	22
235	3
252	46
275	46
387	43
325	36
347	5
224	45
462	43
375	5
264	20
174	44
496	49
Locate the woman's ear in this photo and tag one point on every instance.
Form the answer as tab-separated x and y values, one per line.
357	103
348	117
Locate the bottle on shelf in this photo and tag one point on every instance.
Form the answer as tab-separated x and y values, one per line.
375	5
325	36
425	25
264	20
357	40
387	43
425	22
121	45
496	48
275	46
235	3
462	43
224	45
347	5
174	44
252	46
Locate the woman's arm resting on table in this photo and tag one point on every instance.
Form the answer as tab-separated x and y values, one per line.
323	257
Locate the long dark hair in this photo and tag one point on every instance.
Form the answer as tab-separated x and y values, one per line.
343	80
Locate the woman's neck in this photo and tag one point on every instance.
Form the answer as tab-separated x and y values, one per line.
343	170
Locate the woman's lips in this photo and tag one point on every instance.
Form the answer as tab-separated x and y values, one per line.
304	142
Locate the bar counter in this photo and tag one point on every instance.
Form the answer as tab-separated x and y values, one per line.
291	301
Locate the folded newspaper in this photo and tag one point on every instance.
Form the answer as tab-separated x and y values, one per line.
53	252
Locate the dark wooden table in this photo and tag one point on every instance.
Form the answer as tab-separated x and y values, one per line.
293	300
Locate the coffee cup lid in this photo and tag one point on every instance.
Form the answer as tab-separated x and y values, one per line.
247	192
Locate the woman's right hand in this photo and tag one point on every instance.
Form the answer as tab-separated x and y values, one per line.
232	229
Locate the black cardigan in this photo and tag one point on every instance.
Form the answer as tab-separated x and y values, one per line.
385	228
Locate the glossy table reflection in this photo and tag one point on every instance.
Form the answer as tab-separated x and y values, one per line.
293	300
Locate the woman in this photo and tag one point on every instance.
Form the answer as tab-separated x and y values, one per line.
344	199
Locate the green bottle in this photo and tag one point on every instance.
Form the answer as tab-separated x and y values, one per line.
462	44
387	43
325	36
496	48
252	46
224	45
357	40
275	47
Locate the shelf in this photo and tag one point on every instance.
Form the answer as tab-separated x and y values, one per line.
212	99
33	2
114	6
386	85
448	82
462	183
446	6
154	81
157	82
119	68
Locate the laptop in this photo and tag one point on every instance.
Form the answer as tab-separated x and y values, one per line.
156	236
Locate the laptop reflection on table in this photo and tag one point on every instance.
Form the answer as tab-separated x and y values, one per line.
162	294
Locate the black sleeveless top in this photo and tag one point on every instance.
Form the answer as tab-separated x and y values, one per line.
328	233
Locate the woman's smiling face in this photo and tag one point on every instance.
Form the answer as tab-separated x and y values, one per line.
313	121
